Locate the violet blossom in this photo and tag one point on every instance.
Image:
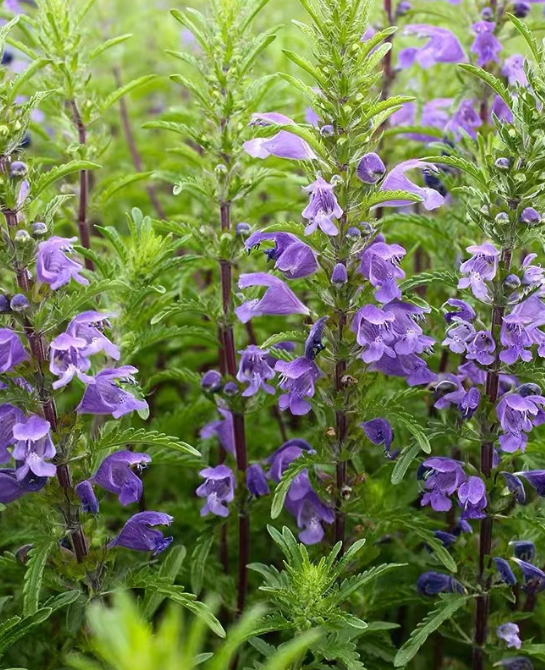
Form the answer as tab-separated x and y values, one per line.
322	208
380	265
222	429
293	258
480	268
516	415
88	499
278	299
370	168
12	488
282	145
507	576
256	481
298	378
139	533
118	474
433	583
472	498
372	326
536	479
516	487
9	416
442	47
33	447
434	115
534	578
310	512
12	352
396	180
443	477
513	69
516	338
524	549
255	370
53	266
464	120
280	460
465	312
218	489
313	343
379	431
104	396
509	632
481	347
486	45
459	334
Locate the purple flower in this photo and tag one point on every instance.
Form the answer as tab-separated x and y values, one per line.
409	337
89	502
410	366
480	347
293	258
139	533
529	216
33	445
465	119
255	370
379	431
536	479
433	115
472	498
534	578
516	487
459	334
310	512
513	69
278	299
481	267
516	338
509	632
446	539
504	570
12	352
452	392
211	381
515	414
516	663
256	481
117	474
284	455
53	266
486	45
371	168
223	430
298	378
524	549
500	110
12	488
339	276
397	181
218	489
465	312
443	477
372	326
322	208
9	416
313	343
432	583
103	396
282	145
380	265
442	47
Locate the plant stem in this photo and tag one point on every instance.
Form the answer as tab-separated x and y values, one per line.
83	226
487	452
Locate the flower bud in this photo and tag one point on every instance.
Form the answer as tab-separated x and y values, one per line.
529	389
371	168
256	481
524	549
4	303
22	553
230	389
511	282
502	163
211	381
487	14
19	303
521	10
431	180
7	57
403	7
327	130
25	142
242	229
336	180
220	169
18	169
39	228
22	237
353	232
339	276
530	216
502	218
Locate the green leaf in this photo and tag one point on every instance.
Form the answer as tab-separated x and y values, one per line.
440	551
15	628
121	438
170	568
60	172
494	83
198	560
305	65
188	22
403	463
528	36
113	187
447	608
25	76
34	575
291	336
62	600
295	467
461	164
352	584
380	197
127	88
108	44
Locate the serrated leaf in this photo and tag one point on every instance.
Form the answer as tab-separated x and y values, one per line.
305	65
59	172
16	628
281	491
289	336
528	36
461	164
119	438
108	44
124	90
439	550
494	83
113	187
25	76
37	558
403	463
352	584
198	560
170	568
380	197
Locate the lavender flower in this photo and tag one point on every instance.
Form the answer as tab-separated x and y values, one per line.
481	267
380	265
413	368
12	488
103	396
313	343
33	446
536	479
509	632
513	69
256	481
397	181
516	487
139	533
89	502
434	115
480	347
53	266
534	578
293	258
459	334
409	337
117	474
310	512
373	332
211	381
284	455
254	370
282	145
218	489
9	416
442	47
529	216
516	663
464	120
432	583
379	431
515	414
222	429
298	378
515	336
504	570
322	208
443	477
524	549
371	168
277	300
472	497
465	312
486	45
12	352
339	276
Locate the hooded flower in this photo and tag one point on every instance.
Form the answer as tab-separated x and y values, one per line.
139	533
432	583
293	258
322	208
513	69
104	396
452	392
310	512
516	487
298	378
524	549
434	115
313	343
370	168
486	45
12	488
397	181
9	416
472	498
255	370
516	663
379	431
380	265
464	120
256	481
534	578
465	312
282	145
278	299
222	429
442	47
459	335
516	338
218	489
284	455
480	347
509	632
53	266
411	366
117	474
12	352
481	267
536	479
66	359
372	326
33	446
89	502
516	415
444	477
504	570
409	336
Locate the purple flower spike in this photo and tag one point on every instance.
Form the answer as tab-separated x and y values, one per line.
9	416
222	429
89	502
465	312
284	455
371	168
524	549
33	446
255	370
470	403
11	488
516	487
442	47
507	576
322	208
397	181
310	512
12	352
509	632
486	45
432	583
218	489
513	69
282	145
139	533
472	497
298	378
534	578
444	477
481	267
278	300
536	479
104	396
117	474
380	265
53	266
256	481
313	343
293	258
480	348
379	431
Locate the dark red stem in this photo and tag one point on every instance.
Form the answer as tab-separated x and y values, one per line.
83	226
